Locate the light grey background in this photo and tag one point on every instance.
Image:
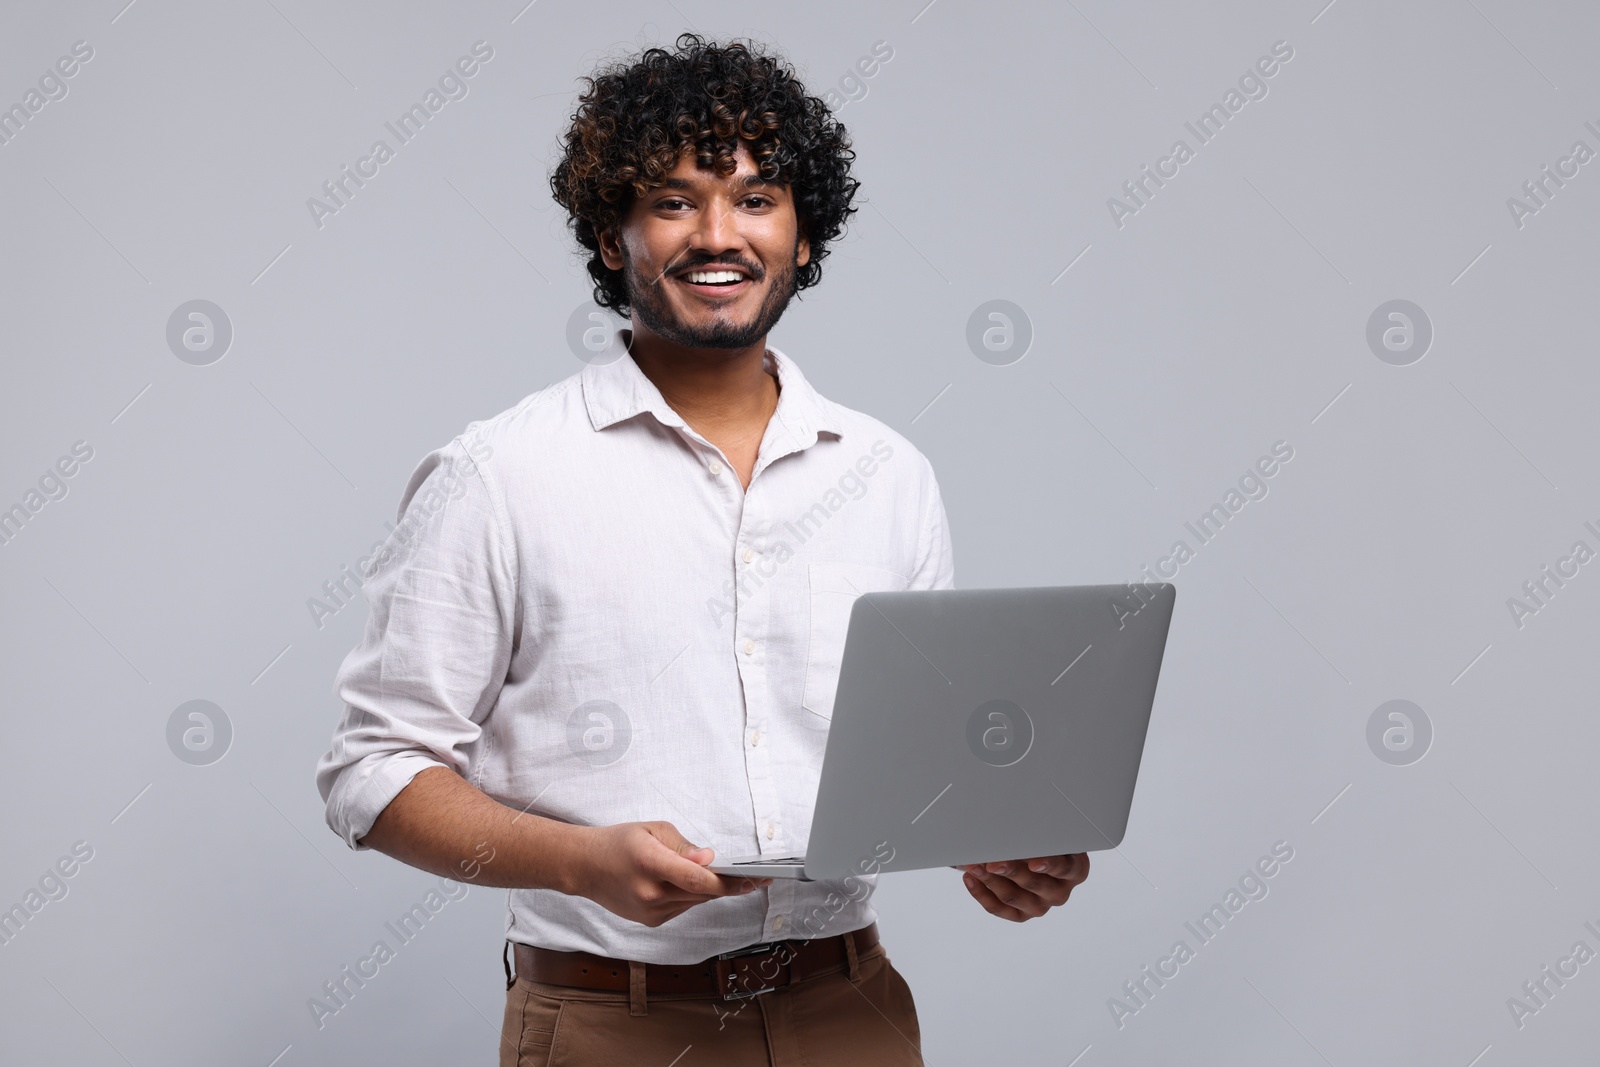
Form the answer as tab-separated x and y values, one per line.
1229	313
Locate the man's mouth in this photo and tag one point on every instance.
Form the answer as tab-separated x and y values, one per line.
715	283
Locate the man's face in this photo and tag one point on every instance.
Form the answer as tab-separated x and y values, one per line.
701	221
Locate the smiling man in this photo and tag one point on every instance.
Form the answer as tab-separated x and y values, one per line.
606	649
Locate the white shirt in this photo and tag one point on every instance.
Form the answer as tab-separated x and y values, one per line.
584	614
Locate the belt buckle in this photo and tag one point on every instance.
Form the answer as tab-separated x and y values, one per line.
727	970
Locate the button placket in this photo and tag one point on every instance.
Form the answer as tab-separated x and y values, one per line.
781	896
754	607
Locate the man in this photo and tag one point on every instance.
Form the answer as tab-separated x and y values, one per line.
613	614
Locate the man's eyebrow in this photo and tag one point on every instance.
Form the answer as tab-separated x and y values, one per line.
750	182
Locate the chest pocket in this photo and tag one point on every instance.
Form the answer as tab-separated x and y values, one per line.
834	588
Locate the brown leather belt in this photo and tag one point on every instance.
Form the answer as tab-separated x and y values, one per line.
744	972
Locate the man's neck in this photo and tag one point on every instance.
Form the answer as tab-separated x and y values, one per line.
717	391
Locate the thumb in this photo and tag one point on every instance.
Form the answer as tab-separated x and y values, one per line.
668	835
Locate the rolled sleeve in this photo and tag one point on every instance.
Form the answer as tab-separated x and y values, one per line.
431	662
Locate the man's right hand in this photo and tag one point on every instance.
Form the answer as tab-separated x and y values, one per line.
650	873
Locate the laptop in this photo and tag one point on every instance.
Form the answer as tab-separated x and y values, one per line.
978	725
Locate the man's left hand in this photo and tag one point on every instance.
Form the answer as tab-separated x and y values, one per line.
1020	890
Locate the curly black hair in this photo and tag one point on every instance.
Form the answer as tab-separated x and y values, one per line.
635	119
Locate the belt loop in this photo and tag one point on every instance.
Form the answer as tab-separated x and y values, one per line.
850	954
636	997
505	958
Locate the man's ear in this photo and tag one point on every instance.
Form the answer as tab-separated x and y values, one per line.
610	248
802	251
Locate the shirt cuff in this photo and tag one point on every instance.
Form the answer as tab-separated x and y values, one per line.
367	788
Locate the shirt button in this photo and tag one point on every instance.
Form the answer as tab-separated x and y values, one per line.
771	831
755	738
715	468
749	554
749	646
777	924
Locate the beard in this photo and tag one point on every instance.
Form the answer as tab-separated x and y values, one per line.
651	304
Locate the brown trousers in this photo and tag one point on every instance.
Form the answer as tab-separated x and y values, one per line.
833	1019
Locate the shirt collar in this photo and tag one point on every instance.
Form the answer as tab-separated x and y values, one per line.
619	390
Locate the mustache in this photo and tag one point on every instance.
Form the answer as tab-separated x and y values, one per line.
718	264
709	264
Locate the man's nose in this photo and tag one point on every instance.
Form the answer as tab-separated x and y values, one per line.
718	230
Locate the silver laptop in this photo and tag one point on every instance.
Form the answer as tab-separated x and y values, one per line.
977	725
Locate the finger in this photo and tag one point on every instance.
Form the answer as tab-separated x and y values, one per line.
991	903
689	875
1030	903
681	863
668	893
745	884
1053	866
1060	876
1050	891
736	884
732	884
672	901
675	903
670	836
1039	865
1073	867
694	879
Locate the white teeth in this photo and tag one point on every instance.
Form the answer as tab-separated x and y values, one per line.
702	277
